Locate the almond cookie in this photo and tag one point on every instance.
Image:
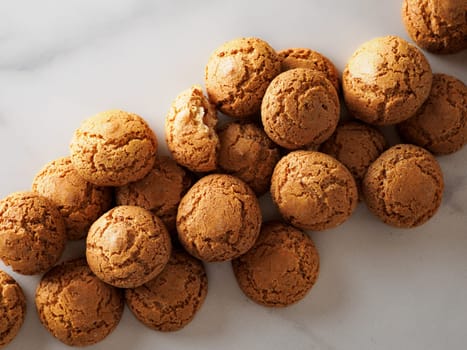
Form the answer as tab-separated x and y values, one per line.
440	125
12	308
438	26
219	218
127	246
238	73
113	148
75	306
313	191
247	153
386	80
300	108
281	267
32	233
404	186
79	201
170	301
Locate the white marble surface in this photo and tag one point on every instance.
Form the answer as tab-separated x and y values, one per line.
380	287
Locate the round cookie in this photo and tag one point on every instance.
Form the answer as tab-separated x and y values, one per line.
404	186
75	306
170	301
247	153
300	108
190	131
12	308
306	58
437	26
32	233
280	269
113	148
386	80
238	73
313	191
80	202
219	218
160	191
127	246
440	125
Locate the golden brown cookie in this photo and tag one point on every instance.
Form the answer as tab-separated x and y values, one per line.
404	186
281	267
313	191
386	80
440	26
12	308
170	301
79	201
75	306
113	148
247	153
127	246
219	218
238	73
32	233
440	125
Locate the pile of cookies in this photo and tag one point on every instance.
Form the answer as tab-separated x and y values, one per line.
150	221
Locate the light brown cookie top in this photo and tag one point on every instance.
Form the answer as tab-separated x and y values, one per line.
386	80
247	153
238	73
404	186
281	267
313	191
170	301
219	218
113	148
75	306
80	202
440	26
440	125
300	108
127	246
306	58
32	233
12	308
190	131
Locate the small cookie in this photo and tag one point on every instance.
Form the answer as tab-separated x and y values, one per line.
281	267
113	148
12	308
75	306
79	201
32	233
127	246
238	73
386	80
170	301
219	218
404	186
300	108
313	191
440	125
437	26
247	153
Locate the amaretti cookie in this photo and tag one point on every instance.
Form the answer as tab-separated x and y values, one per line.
313	191
300	108
32	233
404	186
75	306
386	80
238	73
113	148
219	218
